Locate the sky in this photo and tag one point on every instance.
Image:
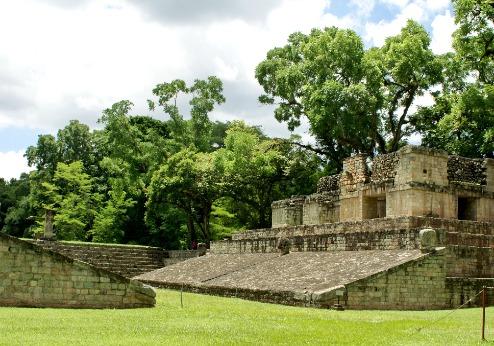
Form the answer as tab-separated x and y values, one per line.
64	59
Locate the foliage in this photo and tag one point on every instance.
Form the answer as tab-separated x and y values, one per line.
71	196
461	120
189	180
256	171
474	38
356	100
15	210
204	95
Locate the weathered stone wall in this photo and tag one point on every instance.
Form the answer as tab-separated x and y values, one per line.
126	260
416	285
414	181
329	184
470	261
383	234
287	212
321	208
422	165
464	170
374	225
384	168
489	172
33	276
423	284
355	171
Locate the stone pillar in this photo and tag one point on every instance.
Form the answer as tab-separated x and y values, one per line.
48	231
355	174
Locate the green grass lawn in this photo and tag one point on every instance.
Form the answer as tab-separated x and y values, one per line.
207	320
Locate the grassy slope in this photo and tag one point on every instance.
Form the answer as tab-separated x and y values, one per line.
215	320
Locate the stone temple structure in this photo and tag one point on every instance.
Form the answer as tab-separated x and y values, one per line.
412	182
408	230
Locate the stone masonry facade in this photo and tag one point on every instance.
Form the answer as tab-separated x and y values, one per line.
412	229
414	181
35	277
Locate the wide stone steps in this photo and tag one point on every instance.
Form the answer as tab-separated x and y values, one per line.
128	261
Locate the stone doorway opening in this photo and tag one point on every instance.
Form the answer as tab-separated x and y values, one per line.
467	208
374	207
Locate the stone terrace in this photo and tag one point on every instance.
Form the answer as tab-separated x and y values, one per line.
291	279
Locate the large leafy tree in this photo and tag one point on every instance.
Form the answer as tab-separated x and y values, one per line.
71	196
204	95
258	170
461	120
15	210
189	181
355	100
135	147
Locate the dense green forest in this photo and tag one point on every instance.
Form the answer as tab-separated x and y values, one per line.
178	178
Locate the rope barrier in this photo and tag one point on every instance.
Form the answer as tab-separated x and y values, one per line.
448	314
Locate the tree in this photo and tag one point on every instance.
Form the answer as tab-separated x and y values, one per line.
252	166
461	120
15	211
356	100
204	95
474	38
190	181
71	196
135	147
109	221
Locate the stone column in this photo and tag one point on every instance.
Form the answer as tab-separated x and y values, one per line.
48	231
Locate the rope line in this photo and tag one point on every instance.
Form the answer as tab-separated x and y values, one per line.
448	314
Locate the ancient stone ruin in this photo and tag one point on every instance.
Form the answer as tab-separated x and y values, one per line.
408	230
33	276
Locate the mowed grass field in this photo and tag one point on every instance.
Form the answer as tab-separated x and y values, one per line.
208	320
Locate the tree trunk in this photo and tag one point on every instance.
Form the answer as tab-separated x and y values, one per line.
192	232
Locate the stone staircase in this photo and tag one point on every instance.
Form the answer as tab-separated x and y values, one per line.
126	260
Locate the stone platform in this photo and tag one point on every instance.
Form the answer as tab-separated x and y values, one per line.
318	279
370	264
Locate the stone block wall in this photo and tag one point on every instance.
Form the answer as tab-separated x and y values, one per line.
287	212
355	171
384	168
414	181
489	172
420	201
376	234
422	165
464	170
321	208
36	277
329	184
417	285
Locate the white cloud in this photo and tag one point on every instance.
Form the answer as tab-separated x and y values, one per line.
12	164
70	62
376	33
399	3
443	27
364	8
418	10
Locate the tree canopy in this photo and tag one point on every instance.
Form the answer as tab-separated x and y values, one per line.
355	100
